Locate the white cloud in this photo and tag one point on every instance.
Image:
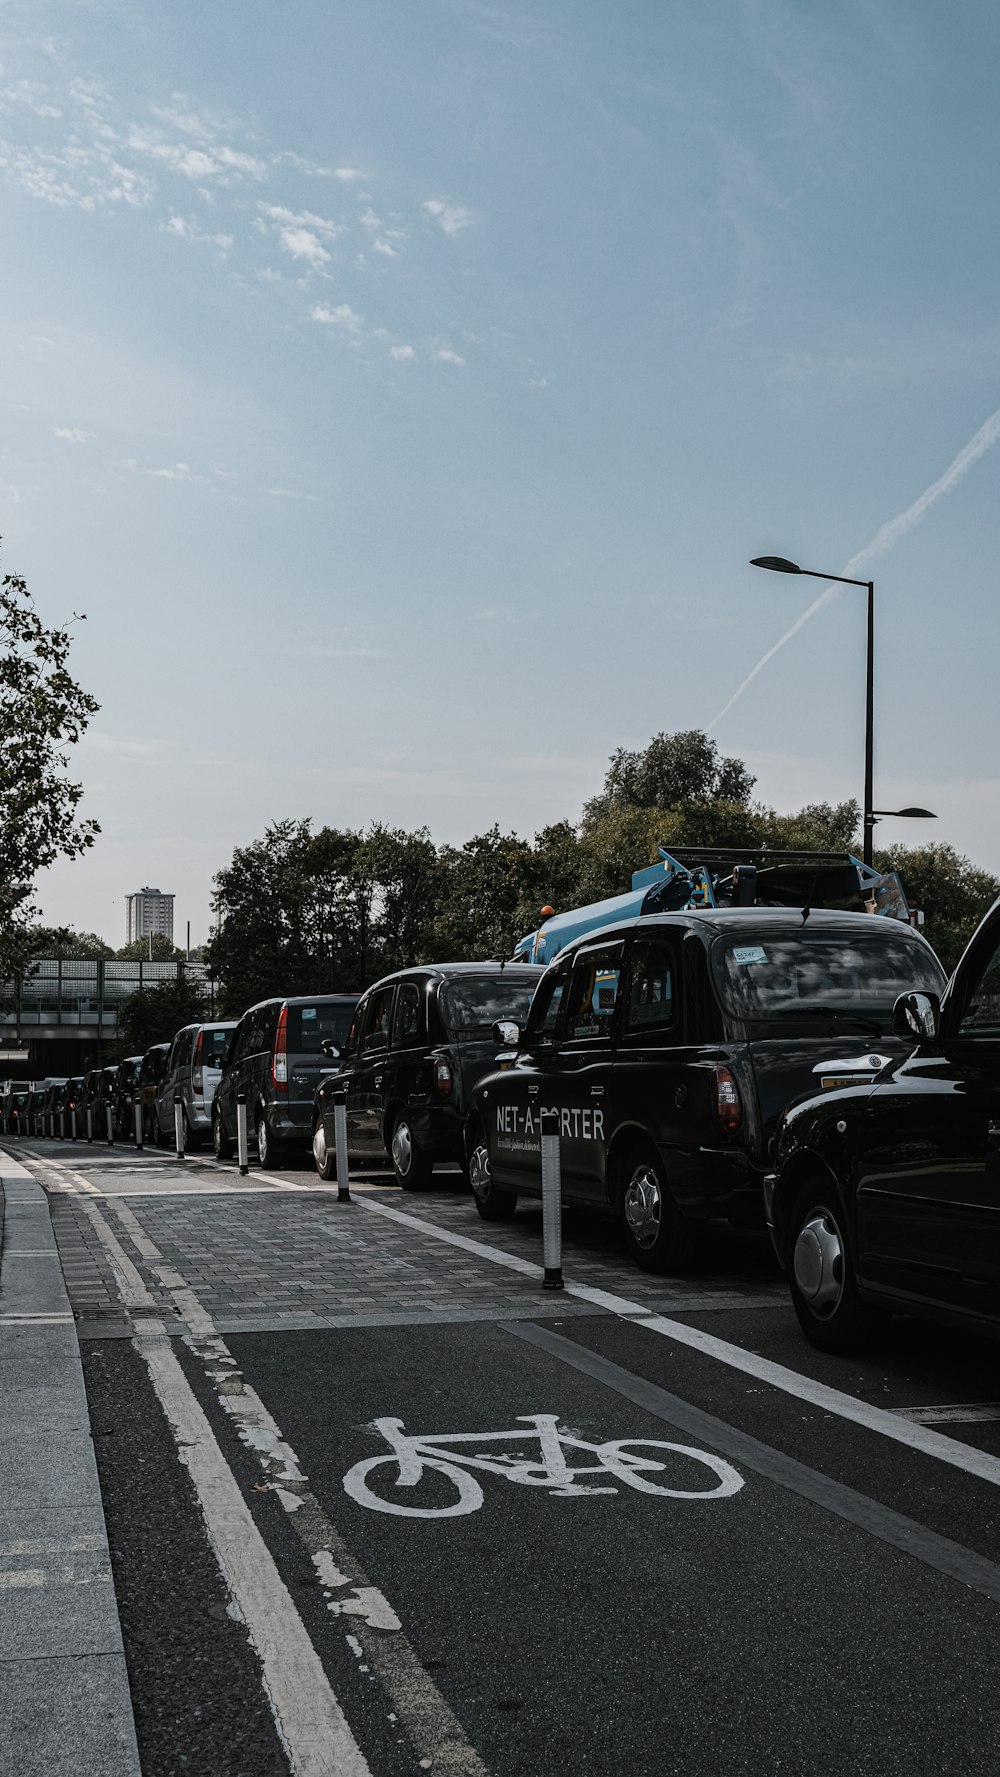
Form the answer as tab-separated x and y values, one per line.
72	434
403	354
368	218
447	356
301	219
347	175
189	231
303	243
453	218
387	248
341	316
291	493
493	614
217	162
178	472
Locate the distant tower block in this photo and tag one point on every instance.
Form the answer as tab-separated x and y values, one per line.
148	911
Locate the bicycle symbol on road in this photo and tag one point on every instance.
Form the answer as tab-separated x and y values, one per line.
630	1461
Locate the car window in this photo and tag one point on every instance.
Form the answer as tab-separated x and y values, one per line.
309	1027
262	1029
547	1005
475	1002
862	971
215	1046
982	1014
593	993
354	1034
377	1027
652	992
406	1019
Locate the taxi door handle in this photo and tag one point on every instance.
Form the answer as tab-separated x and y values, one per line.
378	1079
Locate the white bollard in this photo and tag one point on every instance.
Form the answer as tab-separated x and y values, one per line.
137	1109
62	1125
72	1122
109	1118
343	1165
90	1123
242	1154
179	1125
551	1202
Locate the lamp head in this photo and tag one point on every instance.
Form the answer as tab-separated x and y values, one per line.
777	564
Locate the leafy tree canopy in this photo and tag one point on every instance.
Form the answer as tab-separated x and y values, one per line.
62	941
953	894
156	1014
43	712
154	948
674	769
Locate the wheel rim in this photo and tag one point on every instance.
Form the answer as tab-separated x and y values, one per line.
480	1177
319	1144
217	1137
644	1207
402	1148
262	1142
818	1263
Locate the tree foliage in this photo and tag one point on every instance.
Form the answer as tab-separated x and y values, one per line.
43	712
155	1014
62	941
155	947
672	771
953	894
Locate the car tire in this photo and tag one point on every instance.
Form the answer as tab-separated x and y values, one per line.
821	1274
325	1158
409	1162
159	1139
222	1145
192	1137
270	1153
492	1204
659	1236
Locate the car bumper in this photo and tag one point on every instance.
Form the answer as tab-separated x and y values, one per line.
717	1184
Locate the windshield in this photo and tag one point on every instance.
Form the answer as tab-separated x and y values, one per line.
310	1026
475	1002
860	973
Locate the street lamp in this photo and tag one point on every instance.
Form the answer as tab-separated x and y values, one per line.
782	565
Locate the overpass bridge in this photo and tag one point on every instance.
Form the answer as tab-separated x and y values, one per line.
62	1014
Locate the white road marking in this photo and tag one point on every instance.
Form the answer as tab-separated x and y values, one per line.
816	1394
36	1320
963	1413
52	1545
22	1579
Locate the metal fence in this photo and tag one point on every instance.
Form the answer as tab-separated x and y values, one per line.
76	993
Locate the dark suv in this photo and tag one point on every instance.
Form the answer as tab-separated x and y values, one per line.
275	1058
419	1042
126	1086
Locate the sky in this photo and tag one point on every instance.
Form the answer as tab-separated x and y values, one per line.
401	392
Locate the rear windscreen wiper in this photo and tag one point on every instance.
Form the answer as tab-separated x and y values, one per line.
816	1010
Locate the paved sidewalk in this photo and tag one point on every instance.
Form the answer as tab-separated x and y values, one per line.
65	1706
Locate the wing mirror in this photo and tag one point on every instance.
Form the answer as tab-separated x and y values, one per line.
917	1017
329	1048
506	1033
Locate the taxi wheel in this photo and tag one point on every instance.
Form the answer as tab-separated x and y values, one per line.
324	1157
493	1205
821	1275
270	1153
222	1146
410	1164
660	1237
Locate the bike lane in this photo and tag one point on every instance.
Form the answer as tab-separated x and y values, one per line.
597	1627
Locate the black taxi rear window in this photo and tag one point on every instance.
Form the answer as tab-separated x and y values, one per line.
309	1026
799	974
475	1002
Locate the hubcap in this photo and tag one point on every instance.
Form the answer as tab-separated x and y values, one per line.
479	1171
319	1145
402	1148
818	1263
262	1142
643	1207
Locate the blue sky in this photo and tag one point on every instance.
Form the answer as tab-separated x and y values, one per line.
402	390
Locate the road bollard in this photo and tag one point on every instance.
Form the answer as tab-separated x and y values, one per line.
62	1125
90	1124
109	1118
179	1125
241	1134
343	1164
72	1122
551	1202
137	1109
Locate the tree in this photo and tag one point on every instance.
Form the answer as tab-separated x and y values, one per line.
154	947
43	712
62	941
156	1014
672	770
404	874
489	897
952	893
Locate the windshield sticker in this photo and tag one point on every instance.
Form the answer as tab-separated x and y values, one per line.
749	953
309	1011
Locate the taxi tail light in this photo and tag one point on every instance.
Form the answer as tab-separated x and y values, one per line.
198	1068
279	1060
443	1078
726	1101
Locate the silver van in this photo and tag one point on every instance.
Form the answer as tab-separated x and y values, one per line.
194	1069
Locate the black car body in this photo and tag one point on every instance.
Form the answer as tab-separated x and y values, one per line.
150	1074
97	1097
419	1041
66	1106
275	1060
888	1197
126	1086
669	1045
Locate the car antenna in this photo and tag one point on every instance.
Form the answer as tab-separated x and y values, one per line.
809	895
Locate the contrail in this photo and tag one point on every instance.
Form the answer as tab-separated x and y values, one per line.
882	541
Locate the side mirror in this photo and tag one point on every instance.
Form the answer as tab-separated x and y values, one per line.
329	1048
917	1017
506	1033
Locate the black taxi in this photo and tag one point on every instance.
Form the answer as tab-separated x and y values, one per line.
669	1045
888	1197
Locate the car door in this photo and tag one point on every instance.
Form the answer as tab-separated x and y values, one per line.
513	1102
408	1069
575	1081
655	1080
232	1080
928	1197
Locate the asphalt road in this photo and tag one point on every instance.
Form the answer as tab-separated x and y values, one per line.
731	1553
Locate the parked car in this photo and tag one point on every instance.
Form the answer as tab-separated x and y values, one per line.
150	1074
51	1095
419	1041
12	1101
276	1058
97	1097
887	1197
90	1097
668	1046
33	1108
194	1069
66	1105
126	1086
